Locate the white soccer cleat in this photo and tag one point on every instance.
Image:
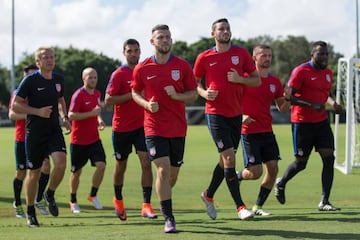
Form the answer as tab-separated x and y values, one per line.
209	203
245	214
74	207
95	202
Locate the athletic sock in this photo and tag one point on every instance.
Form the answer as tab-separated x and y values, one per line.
43	181
263	195
118	192
216	180
233	185
327	177
93	191
166	208
147	194
17	185
293	169
31	210
73	198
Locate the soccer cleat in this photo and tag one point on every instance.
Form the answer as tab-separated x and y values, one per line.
209	203
244	214
119	209
327	206
42	207
53	208
170	225
74	207
32	221
279	192
258	211
19	211
147	211
95	202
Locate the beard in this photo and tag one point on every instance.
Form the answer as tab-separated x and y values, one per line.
164	49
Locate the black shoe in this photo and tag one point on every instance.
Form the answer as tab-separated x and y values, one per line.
32	221
279	192
53	208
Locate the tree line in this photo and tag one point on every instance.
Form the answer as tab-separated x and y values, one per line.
288	52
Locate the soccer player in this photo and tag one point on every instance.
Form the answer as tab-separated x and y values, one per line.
128	131
43	91
311	83
20	157
161	85
85	143
257	137
223	67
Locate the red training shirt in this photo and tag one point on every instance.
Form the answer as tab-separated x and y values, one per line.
19	124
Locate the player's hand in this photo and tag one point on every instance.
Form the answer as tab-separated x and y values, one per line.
170	90
96	110
45	112
337	108
67	125
247	120
233	76
287	92
211	94
101	125
152	106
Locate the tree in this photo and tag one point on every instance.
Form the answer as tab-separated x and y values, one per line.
4	86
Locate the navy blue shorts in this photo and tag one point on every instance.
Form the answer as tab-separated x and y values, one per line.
309	135
123	142
20	155
80	154
166	147
259	148
224	131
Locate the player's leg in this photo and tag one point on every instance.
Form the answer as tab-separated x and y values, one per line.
43	181
20	158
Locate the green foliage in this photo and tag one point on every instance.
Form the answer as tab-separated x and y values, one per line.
4	86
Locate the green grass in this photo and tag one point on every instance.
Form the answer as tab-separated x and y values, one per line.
297	219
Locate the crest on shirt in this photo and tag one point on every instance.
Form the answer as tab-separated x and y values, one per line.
235	60
328	78
58	87
272	88
220	144
152	151
175	75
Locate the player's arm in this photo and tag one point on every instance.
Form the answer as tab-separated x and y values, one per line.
283	103
95	112
101	122
185	96
209	94
19	106
117	99
252	81
301	102
63	114
14	115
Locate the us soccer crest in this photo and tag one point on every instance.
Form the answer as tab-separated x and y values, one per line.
272	88
58	87
175	75
235	60
328	78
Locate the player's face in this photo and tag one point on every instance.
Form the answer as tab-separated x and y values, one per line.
222	32
320	57
132	54
90	80
161	39
46	62
263	58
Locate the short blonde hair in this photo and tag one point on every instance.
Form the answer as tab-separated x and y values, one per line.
40	50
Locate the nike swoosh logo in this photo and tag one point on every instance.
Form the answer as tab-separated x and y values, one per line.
40	89
212	64
150	77
87	103
313	78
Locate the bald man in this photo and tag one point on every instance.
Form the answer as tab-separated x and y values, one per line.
85	143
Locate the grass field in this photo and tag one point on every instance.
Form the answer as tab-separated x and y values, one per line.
297	219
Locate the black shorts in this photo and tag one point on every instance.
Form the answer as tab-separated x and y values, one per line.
259	148
20	155
309	135
123	142
80	154
224	131
40	145
166	147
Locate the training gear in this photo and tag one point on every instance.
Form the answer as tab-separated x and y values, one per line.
244	214
259	211
147	211
170	225
32	221
74	207
95	202
279	192
327	206
19	211
42	207
209	203
53	208
119	209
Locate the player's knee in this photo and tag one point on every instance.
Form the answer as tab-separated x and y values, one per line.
300	164
328	161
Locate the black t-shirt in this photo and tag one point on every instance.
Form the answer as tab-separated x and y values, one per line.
40	92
